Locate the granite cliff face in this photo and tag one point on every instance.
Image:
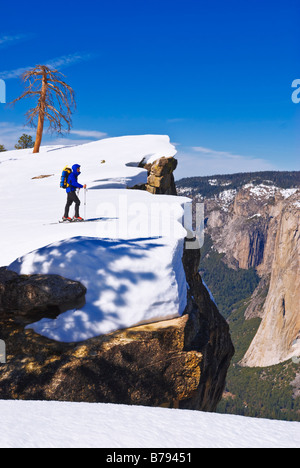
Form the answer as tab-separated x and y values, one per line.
258	227
278	337
243	224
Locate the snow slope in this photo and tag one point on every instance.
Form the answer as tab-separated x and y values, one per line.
129	257
90	425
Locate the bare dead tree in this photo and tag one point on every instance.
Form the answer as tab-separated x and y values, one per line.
55	101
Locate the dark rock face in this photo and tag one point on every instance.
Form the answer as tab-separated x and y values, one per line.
257	241
160	176
31	296
176	363
208	331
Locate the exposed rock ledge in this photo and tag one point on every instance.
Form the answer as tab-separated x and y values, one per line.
33	297
160	178
177	363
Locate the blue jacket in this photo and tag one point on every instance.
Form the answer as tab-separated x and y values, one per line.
72	179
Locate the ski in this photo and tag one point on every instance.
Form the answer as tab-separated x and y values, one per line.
91	220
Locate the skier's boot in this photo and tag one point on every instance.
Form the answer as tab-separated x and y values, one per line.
78	219
65	219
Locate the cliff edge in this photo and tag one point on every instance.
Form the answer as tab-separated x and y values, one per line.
176	362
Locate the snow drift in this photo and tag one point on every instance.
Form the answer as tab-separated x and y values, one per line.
89	425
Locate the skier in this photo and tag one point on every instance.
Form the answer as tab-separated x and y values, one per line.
73	184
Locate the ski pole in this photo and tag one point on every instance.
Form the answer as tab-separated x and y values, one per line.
84	203
77	192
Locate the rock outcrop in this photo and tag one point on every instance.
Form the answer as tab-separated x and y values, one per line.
176	363
32	297
160	176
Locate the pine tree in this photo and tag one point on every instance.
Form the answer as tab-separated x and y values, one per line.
25	141
2	148
55	101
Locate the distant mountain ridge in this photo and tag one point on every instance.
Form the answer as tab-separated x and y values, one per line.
209	186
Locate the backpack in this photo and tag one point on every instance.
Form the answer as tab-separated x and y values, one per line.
64	177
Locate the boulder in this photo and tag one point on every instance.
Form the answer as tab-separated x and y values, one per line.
32	296
160	176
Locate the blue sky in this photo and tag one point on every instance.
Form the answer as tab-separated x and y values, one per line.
215	76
